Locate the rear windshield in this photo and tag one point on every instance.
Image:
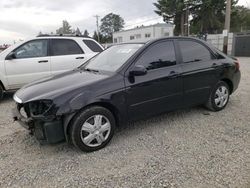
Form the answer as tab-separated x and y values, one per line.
92	45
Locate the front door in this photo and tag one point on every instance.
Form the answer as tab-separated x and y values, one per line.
31	62
161	88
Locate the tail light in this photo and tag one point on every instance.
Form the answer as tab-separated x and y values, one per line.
237	65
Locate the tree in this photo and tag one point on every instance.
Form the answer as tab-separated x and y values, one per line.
240	20
65	29
172	11
109	24
86	33
102	38
209	16
78	32
95	36
40	33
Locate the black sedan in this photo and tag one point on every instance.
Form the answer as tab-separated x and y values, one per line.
124	83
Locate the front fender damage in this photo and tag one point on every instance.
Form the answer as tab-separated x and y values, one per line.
69	109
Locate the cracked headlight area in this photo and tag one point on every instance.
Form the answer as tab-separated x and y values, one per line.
41	109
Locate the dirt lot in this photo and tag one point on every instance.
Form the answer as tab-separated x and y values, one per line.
187	148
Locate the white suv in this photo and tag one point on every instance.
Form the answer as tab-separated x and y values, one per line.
43	56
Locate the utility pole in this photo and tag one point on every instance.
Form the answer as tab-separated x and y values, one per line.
97	27
186	23
187	20
227	25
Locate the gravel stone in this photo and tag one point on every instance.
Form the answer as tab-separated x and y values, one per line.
185	148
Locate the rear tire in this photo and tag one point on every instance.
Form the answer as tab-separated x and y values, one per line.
1	92
92	129
219	97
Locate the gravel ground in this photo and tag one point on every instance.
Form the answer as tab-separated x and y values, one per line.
187	148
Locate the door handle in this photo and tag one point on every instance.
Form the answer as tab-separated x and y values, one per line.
43	61
173	74
79	57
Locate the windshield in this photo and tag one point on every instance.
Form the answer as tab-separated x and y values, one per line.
112	58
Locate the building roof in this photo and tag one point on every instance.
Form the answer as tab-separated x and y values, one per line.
143	27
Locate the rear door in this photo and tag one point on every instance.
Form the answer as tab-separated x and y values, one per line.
161	89
66	55
200	71
31	63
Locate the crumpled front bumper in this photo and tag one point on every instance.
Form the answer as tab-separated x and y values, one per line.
46	132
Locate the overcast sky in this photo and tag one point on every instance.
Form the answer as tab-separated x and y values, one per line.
20	19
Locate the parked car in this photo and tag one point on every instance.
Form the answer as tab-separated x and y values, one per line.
43	56
124	83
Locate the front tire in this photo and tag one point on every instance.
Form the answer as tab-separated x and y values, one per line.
219	97
92	129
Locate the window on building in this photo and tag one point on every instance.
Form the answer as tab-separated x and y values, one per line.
194	52
138	36
132	37
166	34
115	40
147	35
120	40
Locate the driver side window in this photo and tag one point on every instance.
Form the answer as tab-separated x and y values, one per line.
35	48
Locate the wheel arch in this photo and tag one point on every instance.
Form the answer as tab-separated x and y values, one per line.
110	107
69	119
229	83
1	84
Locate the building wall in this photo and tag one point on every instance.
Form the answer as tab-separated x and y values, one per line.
142	34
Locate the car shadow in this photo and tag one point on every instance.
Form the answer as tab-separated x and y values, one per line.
172	115
8	96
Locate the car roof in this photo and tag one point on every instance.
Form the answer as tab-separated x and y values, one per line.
159	39
63	37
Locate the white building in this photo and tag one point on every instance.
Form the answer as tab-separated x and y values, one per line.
144	33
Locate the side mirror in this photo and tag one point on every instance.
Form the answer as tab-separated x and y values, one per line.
11	56
138	70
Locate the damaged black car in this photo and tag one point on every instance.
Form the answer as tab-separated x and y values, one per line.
124	83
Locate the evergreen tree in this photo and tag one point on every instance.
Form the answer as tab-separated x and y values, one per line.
208	16
65	29
86	33
78	32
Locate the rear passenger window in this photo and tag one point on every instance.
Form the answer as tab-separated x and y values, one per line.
65	47
194	52
92	45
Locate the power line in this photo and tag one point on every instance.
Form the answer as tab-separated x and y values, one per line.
142	22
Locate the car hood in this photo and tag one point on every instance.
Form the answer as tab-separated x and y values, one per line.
54	86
